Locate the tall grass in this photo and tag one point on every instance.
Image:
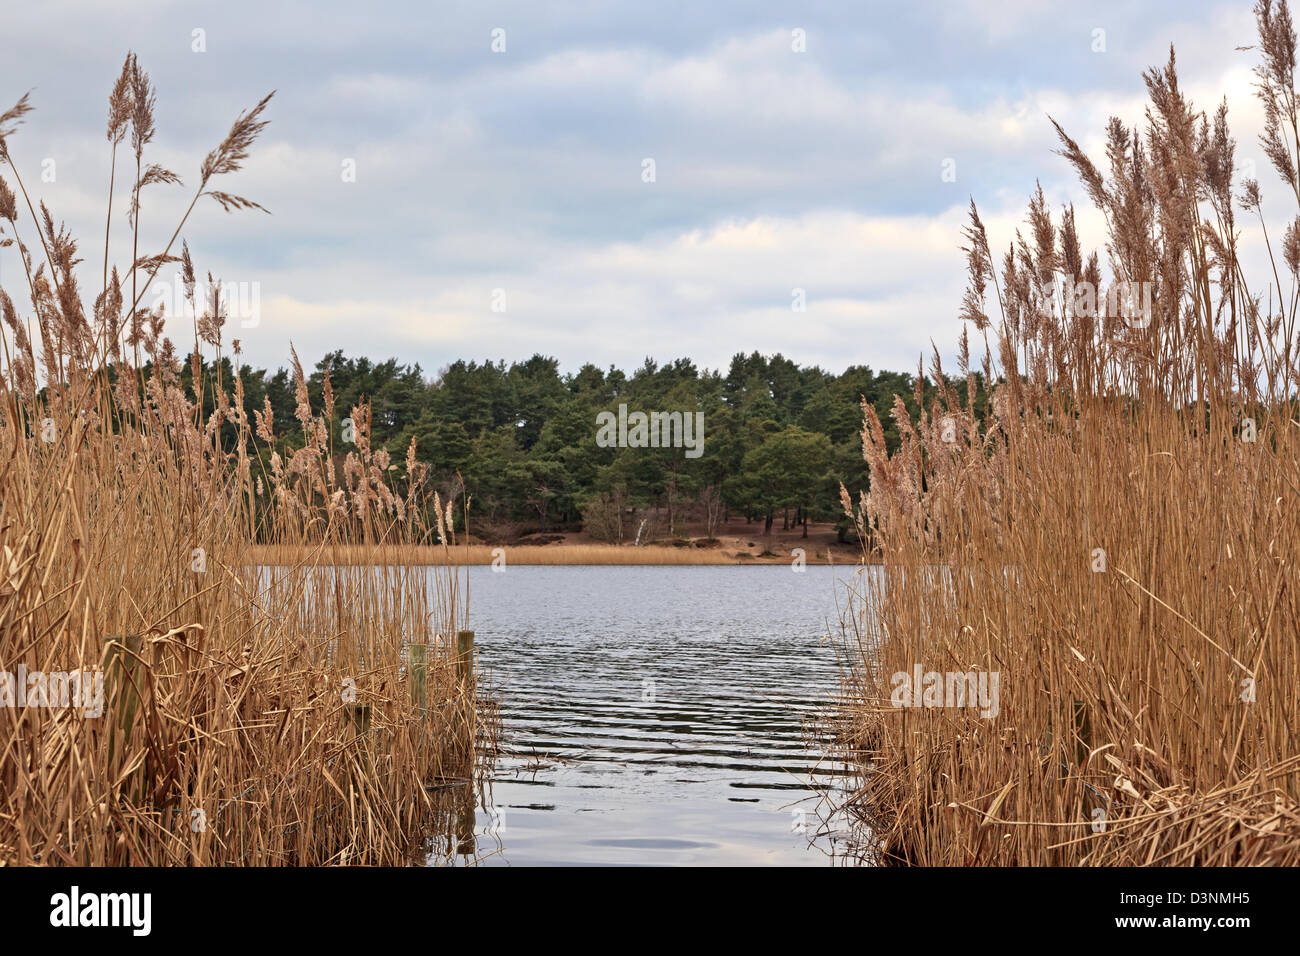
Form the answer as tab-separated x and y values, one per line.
1119	541
252	714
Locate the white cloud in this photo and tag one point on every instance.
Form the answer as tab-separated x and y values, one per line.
776	170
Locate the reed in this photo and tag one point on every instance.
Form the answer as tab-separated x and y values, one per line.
1118	541
250	714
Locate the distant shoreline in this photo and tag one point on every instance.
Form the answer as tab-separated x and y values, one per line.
546	554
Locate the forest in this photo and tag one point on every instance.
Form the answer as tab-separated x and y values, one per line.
521	439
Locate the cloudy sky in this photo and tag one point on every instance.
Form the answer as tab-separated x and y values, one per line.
501	205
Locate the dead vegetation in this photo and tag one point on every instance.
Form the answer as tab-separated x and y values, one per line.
250	715
1119	541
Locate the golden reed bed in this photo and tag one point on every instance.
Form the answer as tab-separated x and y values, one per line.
1120	544
160	702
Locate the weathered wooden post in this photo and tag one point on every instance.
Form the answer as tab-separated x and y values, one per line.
359	717
417	672
465	659
467	686
466	840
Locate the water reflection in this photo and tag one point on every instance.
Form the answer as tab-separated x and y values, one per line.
653	715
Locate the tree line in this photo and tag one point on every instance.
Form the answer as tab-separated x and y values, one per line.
520	439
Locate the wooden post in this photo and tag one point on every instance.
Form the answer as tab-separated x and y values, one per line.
417	672
465	659
466	840
465	704
359	715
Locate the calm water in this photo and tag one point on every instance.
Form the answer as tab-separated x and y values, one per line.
656	715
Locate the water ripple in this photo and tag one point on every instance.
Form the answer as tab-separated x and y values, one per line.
643	699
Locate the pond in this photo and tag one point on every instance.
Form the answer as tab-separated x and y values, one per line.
657	715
